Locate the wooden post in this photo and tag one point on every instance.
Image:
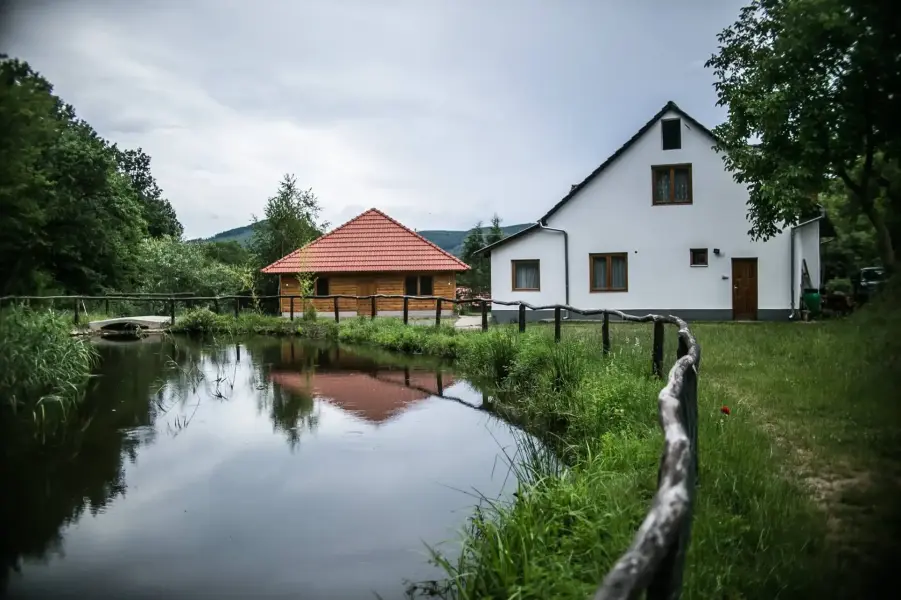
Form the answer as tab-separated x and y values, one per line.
605	333
337	316
522	318
440	380
106	307
172	311
682	350
438	312
406	310
237	306
372	316
215	305
657	365
75	318
484	315
556	323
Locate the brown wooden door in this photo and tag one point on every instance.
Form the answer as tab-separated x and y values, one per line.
744	289
365	287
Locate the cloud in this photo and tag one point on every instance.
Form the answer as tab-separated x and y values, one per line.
439	113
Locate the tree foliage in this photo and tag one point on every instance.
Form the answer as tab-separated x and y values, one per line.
478	278
158	213
73	217
167	264
815	81
228	252
291	221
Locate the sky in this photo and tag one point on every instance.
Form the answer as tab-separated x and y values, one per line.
437	112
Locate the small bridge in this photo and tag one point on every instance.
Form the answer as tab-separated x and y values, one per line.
130	323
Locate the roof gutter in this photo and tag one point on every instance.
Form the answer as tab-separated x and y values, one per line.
792	268
565	255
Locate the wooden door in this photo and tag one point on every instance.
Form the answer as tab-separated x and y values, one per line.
365	287
744	289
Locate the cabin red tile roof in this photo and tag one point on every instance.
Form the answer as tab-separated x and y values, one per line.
372	241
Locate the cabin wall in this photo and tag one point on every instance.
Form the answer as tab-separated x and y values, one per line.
359	284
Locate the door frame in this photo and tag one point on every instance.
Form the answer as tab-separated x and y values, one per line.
366	286
748	315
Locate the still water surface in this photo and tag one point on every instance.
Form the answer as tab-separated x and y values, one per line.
265	469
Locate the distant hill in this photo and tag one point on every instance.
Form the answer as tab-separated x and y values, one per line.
451	241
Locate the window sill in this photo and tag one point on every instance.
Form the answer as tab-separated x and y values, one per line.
689	203
699	266
526	289
607	291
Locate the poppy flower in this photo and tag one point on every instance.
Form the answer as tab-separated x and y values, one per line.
725	410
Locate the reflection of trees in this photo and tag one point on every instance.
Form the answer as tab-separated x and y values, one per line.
46	488
291	411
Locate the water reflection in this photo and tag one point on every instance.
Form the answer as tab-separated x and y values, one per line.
361	470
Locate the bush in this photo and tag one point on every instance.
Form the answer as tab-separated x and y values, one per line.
43	369
840	285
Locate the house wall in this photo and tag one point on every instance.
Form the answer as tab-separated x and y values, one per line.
614	213
807	240
444	285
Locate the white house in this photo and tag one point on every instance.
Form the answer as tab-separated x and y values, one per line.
659	227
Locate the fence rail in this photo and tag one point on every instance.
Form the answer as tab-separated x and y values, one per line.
654	562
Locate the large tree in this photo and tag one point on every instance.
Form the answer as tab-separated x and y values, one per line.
158	213
478	277
71	220
815	83
292	220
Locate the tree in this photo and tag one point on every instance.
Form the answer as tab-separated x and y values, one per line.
167	264
478	277
228	252
158	212
495	233
291	222
815	82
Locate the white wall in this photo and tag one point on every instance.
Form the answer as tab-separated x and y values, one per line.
614	213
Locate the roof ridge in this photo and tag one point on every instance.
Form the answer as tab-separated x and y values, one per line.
402	226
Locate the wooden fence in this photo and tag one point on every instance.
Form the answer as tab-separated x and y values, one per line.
654	562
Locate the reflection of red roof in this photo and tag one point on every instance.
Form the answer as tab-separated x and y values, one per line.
376	400
372	241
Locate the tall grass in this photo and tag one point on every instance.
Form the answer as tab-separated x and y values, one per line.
42	369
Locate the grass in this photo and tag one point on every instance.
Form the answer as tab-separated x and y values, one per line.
42	371
798	484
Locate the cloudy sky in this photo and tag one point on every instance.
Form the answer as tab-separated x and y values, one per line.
439	112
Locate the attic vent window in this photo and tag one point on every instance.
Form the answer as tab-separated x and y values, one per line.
672	134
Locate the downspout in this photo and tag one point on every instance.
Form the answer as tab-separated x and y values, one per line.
792	267
565	255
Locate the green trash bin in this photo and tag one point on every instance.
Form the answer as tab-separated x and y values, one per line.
812	301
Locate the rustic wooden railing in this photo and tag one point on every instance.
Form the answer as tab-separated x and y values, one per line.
654	562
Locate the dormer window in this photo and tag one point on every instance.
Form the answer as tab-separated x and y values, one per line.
671	132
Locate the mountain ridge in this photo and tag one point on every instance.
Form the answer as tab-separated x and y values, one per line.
450	240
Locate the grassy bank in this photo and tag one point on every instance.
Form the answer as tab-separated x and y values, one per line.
797	483
42	371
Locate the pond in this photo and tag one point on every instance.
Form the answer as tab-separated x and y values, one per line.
269	468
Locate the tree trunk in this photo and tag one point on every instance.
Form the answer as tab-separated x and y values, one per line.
883	236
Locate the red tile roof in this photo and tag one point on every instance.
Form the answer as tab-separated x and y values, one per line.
372	241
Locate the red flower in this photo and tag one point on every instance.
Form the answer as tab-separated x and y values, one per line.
725	410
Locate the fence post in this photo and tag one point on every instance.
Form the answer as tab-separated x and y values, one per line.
372	316
106	307
484	315
605	333
75	318
237	306
337	316
682	350
438	312
406	310
172	311
440	381
522	318
215	305
657	365
291	307
556	323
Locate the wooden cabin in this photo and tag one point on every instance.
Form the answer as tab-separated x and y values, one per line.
370	254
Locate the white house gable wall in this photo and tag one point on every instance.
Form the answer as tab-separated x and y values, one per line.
614	213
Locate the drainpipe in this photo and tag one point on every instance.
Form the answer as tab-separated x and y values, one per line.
792	267
565	255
